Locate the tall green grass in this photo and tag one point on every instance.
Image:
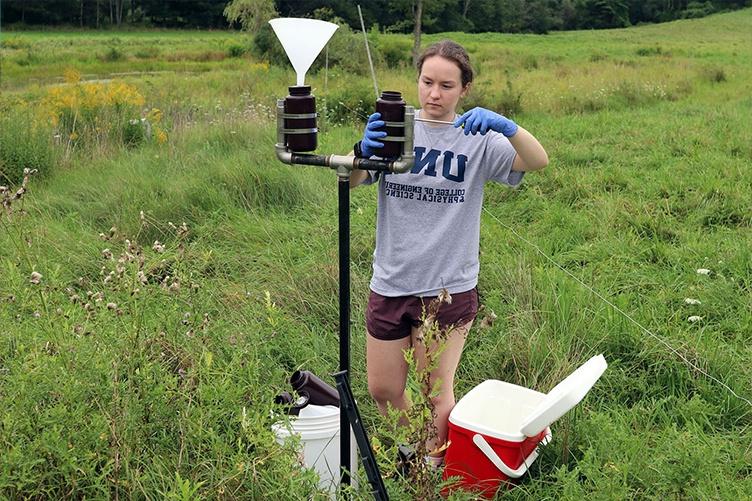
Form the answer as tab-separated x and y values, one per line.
154	377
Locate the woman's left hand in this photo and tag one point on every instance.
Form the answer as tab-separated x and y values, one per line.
482	120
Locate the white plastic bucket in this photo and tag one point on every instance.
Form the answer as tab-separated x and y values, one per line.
317	428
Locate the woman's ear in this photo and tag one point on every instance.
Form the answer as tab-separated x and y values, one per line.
466	90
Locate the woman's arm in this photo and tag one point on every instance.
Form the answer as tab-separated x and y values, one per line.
357	177
530	154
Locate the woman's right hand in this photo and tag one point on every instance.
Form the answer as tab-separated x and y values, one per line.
370	144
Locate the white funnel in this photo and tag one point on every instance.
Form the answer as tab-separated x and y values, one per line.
302	40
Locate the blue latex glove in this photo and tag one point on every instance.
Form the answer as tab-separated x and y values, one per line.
482	120
370	144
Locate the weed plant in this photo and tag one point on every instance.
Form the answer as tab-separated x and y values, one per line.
24	144
100	113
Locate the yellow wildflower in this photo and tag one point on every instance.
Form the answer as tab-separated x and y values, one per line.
72	76
154	116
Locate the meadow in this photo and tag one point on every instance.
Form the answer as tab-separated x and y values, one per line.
162	274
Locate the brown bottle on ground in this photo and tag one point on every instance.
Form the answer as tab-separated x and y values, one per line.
392	109
301	101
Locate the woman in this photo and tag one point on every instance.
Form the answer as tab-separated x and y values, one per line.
428	228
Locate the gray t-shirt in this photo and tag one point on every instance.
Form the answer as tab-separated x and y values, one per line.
428	222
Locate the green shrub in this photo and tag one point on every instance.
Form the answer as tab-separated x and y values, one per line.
150	52
698	9
346	50
395	52
651	51
237	50
113	54
478	96
530	62
351	104
23	144
266	47
14	43
508	101
714	74
134	132
29	58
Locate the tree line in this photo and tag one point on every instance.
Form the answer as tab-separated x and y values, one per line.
474	16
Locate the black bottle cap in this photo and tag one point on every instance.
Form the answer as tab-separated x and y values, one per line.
391	95
300	90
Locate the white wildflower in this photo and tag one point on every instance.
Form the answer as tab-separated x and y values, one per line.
703	271
689	300
36	278
694	318
158	247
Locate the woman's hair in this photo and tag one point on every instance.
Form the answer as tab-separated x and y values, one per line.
452	51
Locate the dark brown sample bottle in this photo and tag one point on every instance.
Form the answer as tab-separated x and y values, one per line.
303	131
392	109
319	393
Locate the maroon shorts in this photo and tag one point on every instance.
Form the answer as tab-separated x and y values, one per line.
391	318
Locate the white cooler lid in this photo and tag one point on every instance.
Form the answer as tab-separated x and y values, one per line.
564	396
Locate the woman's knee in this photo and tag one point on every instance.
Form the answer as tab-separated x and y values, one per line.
386	391
443	403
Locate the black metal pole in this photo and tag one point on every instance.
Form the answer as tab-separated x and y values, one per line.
344	316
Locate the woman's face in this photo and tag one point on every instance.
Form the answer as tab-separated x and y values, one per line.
440	88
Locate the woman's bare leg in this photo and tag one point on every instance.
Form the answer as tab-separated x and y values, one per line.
387	372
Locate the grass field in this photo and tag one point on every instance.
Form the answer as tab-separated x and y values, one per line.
186	273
